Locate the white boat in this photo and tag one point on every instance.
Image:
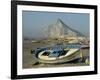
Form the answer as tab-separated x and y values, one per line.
69	55
59	53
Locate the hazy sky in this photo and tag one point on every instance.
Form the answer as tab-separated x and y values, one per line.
35	23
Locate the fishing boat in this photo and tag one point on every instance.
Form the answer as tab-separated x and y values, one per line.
59	53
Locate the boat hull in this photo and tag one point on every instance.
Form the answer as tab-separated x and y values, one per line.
68	58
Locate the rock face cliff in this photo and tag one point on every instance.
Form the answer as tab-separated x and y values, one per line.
61	30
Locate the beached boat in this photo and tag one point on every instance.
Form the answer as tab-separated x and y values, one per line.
59	53
50	56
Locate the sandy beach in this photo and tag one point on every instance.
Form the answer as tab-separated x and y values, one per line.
29	60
